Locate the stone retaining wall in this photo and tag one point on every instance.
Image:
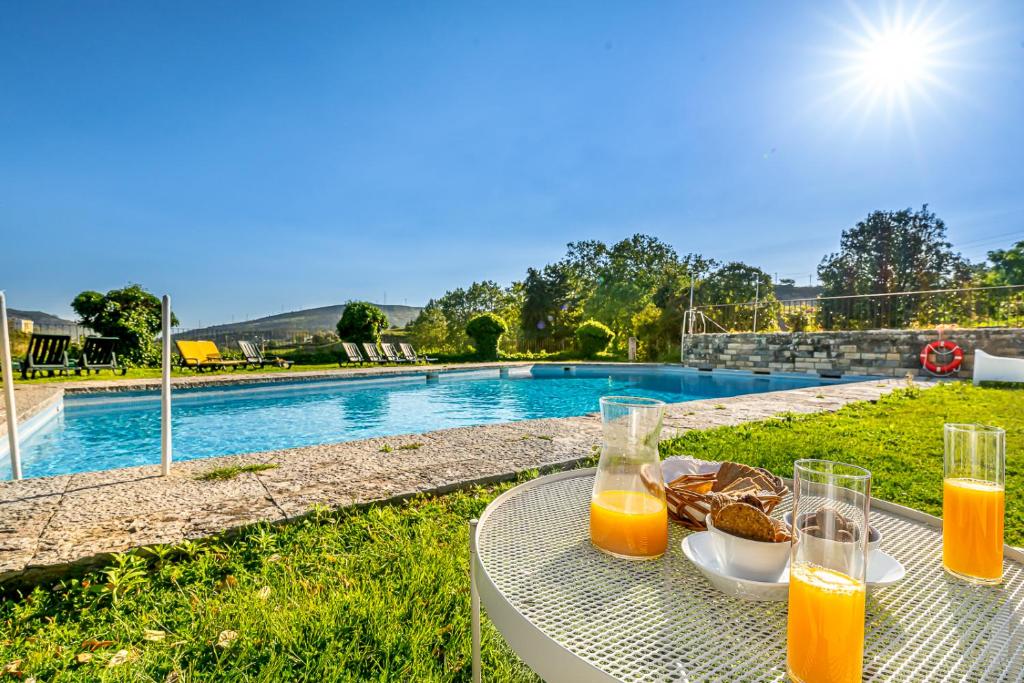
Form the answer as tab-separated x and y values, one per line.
877	352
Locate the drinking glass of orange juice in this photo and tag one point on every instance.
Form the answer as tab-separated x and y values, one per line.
973	502
628	514
825	629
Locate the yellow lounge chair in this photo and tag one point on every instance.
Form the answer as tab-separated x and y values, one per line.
203	355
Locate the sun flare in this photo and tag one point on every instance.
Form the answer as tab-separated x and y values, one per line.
896	60
892	63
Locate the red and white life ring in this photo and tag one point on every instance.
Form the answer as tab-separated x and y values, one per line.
951	349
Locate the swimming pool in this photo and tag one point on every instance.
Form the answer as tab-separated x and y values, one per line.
105	431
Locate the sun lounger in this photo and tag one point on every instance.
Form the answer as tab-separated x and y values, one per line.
372	354
351	352
47	353
204	355
255	358
98	354
989	368
391	354
412	356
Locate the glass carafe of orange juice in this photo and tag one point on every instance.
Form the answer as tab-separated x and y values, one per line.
973	502
828	571
628	514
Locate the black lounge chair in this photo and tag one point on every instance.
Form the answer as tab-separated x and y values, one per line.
412	356
372	354
255	357
391	354
47	353
98	354
351	353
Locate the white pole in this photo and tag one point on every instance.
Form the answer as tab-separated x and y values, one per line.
692	283
474	605
165	391
8	370
682	337
757	290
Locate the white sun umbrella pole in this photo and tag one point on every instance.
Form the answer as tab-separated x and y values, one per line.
165	390
8	371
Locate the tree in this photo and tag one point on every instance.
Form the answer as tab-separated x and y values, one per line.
652	340
739	284
511	311
131	314
889	251
627	277
672	297
615	285
448	315
429	331
361	322
459	305
485	330
593	338
552	304
1007	266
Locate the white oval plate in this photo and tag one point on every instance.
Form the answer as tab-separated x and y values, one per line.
883	570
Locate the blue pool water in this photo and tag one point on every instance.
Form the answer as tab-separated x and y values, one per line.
97	432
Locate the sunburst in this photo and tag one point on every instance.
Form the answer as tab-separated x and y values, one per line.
892	63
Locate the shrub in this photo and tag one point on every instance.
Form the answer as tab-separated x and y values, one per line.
485	330
593	337
323	337
800	319
361	322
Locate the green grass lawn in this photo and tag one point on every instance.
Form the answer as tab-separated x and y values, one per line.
382	593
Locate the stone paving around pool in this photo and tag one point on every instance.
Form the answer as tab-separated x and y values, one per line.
50	524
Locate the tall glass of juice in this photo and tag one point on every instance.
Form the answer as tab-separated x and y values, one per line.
828	568
628	514
973	502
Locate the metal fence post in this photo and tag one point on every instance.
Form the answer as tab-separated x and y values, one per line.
165	390
9	404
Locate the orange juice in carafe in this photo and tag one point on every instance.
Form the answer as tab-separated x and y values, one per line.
629	523
628	513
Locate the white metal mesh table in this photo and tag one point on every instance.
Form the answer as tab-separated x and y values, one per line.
573	613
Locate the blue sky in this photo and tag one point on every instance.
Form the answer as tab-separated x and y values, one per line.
253	157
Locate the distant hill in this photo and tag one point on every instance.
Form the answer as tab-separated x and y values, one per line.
285	325
38	317
46	323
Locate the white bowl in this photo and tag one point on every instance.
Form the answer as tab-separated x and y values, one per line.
697	548
746	559
883	571
829	553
